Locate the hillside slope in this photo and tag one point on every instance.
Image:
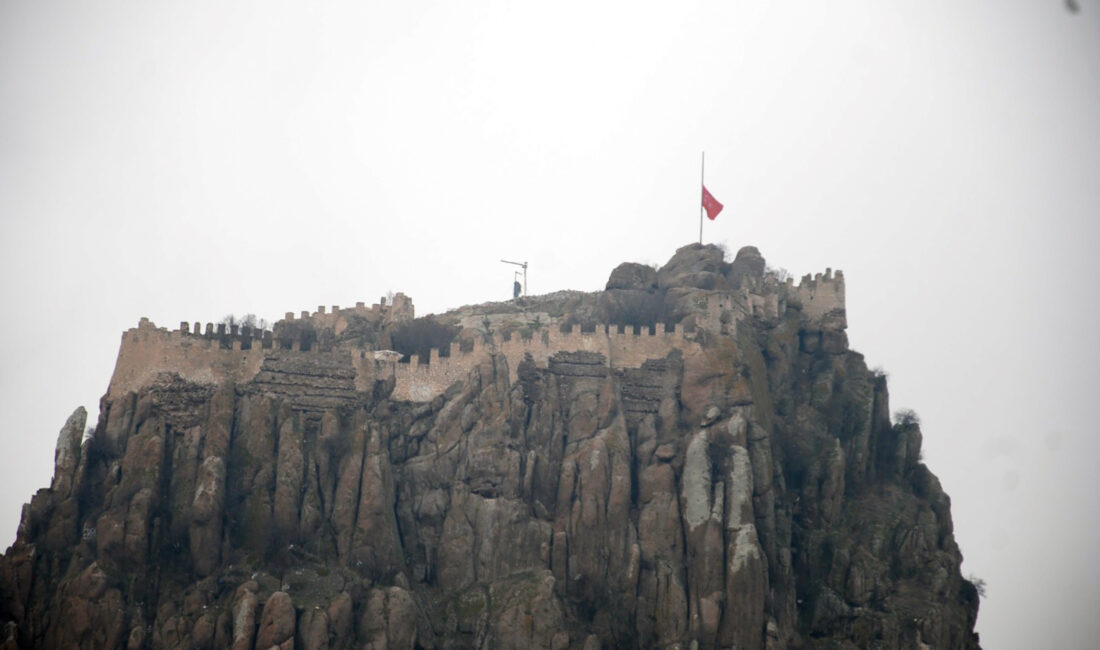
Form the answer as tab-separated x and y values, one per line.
747	489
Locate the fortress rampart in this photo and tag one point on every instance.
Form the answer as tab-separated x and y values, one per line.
622	349
821	298
217	353
235	355
146	351
400	308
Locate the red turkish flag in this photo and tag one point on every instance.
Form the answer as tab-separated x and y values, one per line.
711	204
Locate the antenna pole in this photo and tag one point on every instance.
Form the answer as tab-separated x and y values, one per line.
523	265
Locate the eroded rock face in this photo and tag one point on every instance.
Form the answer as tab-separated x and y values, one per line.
748	263
631	275
694	266
754	495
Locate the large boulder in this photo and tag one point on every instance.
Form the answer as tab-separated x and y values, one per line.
748	263
631	275
695	266
277	622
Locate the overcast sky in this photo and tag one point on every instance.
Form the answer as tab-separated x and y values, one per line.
184	161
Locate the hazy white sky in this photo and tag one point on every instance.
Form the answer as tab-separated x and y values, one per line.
183	161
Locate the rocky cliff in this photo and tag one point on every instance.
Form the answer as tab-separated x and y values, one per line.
746	491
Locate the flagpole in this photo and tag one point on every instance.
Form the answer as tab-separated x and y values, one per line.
702	185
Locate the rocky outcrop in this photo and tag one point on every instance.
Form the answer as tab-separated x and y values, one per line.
751	494
631	275
694	266
747	265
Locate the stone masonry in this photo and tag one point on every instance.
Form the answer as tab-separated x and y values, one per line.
239	355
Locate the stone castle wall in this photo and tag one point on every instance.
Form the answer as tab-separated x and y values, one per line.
147	351
622	349
400	308
821	298
237	354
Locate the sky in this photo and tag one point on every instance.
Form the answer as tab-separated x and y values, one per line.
185	161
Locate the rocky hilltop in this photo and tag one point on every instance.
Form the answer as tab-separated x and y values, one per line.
692	458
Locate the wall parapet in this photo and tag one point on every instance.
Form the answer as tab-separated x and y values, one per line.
821	298
400	307
236	337
621	348
215	353
222	354
146	351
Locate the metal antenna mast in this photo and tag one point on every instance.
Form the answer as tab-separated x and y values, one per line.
524	266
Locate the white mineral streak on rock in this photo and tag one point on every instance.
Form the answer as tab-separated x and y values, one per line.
67	453
719	504
210	473
696	482
746	547
740	488
738	427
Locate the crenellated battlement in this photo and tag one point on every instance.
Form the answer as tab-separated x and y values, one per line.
234	336
401	308
216	353
821	298
220	354
621	348
215	357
